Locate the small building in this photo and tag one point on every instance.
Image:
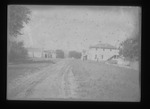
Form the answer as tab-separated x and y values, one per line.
49	54
102	52
40	53
35	52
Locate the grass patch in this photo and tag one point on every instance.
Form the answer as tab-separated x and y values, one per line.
16	70
106	82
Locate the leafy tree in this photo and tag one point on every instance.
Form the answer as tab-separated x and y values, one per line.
60	54
75	54
131	49
17	15
17	52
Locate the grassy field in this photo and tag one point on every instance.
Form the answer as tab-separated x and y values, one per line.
96	80
106	82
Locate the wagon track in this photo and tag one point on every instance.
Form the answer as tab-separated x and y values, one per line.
59	77
75	79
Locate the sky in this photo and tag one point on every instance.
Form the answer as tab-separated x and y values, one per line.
78	27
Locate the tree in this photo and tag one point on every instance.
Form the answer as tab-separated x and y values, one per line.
75	54
60	54
131	48
17	52
17	15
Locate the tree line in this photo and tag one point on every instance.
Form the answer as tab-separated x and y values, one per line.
17	15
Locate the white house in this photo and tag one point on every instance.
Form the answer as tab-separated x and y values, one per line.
40	53
49	54
35	52
102	52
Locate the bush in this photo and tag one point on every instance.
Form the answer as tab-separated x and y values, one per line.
131	49
17	52
60	54
75	54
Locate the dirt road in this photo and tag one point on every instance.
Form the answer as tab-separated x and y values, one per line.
75	79
55	81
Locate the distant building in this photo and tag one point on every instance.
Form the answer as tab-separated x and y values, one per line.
102	52
40	53
35	52
49	54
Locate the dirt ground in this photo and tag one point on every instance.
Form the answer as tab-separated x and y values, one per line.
72	79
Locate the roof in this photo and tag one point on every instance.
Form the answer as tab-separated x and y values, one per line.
103	46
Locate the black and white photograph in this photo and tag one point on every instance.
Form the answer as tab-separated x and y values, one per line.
75	53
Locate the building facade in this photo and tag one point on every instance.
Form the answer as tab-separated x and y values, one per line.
49	54
102	52
40	53
35	52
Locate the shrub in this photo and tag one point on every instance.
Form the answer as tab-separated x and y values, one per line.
75	54
17	52
60	54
